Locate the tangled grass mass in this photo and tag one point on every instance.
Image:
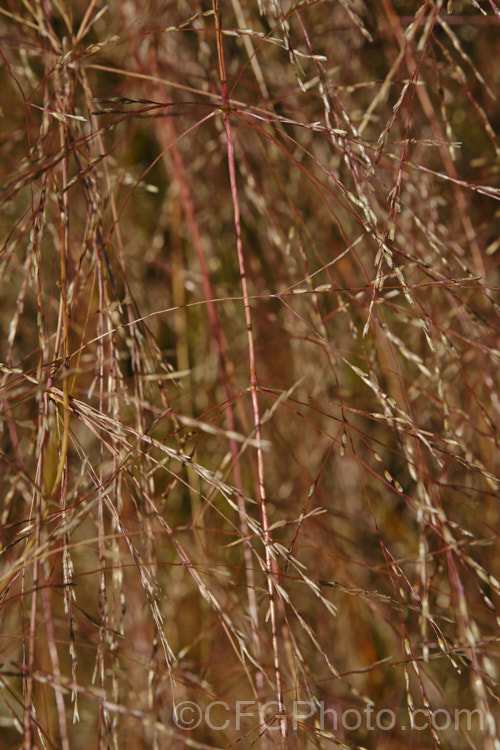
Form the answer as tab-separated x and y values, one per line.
250	369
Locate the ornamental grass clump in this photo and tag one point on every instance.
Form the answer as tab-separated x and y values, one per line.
250	467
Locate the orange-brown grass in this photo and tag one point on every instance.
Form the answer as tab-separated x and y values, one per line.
250	363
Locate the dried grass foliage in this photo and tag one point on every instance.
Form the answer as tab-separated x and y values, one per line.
249	367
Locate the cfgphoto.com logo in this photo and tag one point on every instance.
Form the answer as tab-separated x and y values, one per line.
220	716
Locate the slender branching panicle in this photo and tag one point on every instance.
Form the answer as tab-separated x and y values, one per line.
249	374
